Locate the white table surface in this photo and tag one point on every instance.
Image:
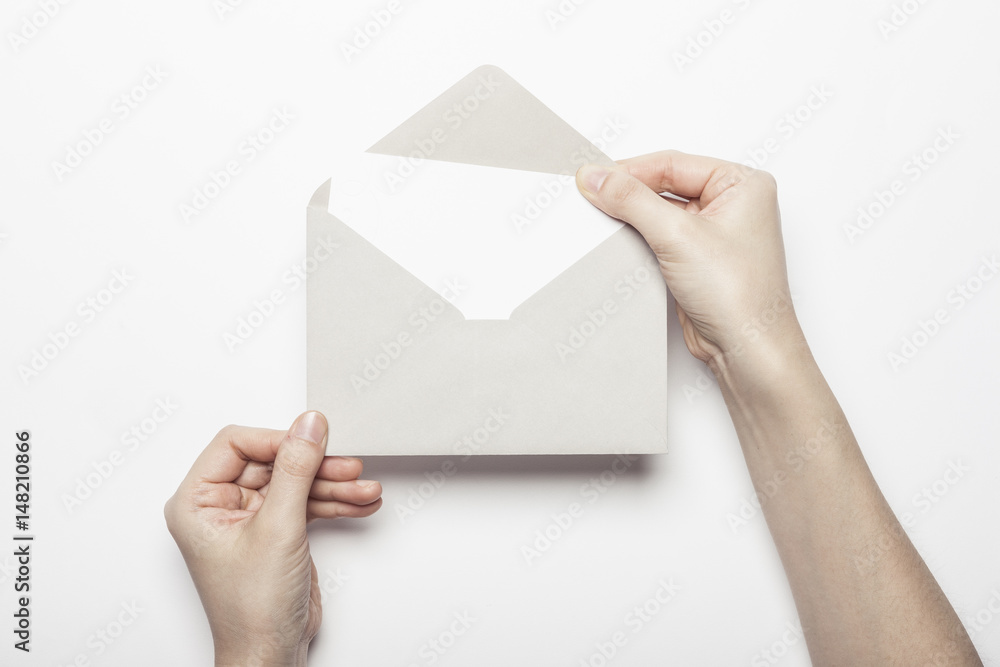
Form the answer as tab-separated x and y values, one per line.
394	586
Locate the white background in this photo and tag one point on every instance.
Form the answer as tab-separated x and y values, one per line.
163	335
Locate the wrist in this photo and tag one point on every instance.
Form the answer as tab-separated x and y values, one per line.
260	655
761	365
780	403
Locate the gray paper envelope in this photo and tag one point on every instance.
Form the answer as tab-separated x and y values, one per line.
579	368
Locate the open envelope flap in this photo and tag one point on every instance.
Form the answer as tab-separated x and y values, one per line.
579	368
489	119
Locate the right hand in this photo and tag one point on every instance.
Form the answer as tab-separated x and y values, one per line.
721	253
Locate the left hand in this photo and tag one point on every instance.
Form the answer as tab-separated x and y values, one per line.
239	518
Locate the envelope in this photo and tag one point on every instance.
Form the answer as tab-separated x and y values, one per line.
403	366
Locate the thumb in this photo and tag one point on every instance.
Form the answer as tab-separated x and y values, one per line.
623	196
295	466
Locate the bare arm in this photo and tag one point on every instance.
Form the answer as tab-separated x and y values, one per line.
864	595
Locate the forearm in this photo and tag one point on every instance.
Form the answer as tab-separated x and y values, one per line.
863	593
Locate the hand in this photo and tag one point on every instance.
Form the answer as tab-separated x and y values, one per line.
863	593
239	518
720	252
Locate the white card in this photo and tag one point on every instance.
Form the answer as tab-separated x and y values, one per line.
485	238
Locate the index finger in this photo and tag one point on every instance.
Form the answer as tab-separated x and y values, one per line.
689	176
225	457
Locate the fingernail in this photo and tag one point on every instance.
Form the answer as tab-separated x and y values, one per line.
310	426
592	176
365	483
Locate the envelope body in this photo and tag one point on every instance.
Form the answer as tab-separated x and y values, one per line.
563	345
579	367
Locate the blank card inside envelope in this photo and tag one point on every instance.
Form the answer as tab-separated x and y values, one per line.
486	238
475	302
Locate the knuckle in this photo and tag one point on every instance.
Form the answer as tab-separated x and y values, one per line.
766	180
200	495
669	162
169	514
731	176
622	190
227	432
297	459
326	510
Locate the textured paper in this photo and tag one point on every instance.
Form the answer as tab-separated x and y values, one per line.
578	368
488	119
